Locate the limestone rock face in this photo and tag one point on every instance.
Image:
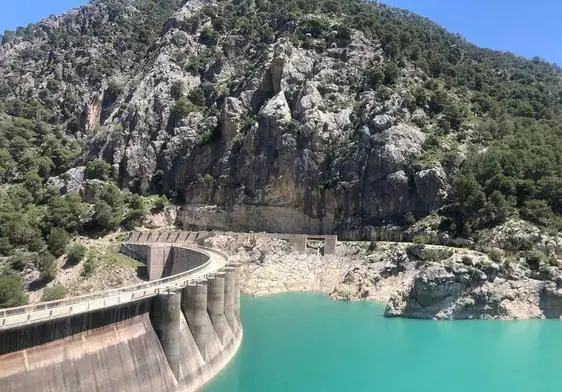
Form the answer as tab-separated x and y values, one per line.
459	291
289	136
69	182
551	299
432	186
231	118
381	123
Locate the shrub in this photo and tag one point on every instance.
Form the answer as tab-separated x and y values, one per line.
415	251
181	109
132	219
159	204
46	264
90	266
420	239
535	258
467	260
553	261
409	218
374	76
197	96
98	169
496	255
53	293
538	212
36	244
177	89
391	72
435	254
19	261
76	253
57	241
12	292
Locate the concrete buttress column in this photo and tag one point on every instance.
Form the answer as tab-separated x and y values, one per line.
229	307
156	261
237	268
195	311
215	307
166	314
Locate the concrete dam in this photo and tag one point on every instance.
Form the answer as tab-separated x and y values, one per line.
173	333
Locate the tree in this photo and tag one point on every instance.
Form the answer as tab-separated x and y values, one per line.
391	72
137	210
106	217
20	231
57	241
19	261
538	212
12	292
496	211
209	36
66	212
34	184
112	196
468	199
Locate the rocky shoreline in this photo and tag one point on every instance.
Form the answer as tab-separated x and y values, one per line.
415	281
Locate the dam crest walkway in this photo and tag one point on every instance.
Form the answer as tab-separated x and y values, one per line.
35	313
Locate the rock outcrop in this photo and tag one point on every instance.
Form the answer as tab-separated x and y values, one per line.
458	291
459	284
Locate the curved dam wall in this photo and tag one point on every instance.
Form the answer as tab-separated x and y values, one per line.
176	340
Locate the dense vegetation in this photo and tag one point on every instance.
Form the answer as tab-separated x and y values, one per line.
505	109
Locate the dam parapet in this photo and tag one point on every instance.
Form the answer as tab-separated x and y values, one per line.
161	335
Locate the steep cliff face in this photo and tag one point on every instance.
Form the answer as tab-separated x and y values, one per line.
297	131
308	116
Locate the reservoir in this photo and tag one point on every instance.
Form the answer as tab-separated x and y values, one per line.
301	342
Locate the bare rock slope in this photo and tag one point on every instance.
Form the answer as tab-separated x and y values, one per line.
415	281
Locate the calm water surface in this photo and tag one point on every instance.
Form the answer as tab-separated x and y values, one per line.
305	342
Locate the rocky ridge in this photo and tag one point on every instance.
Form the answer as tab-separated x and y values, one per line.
210	120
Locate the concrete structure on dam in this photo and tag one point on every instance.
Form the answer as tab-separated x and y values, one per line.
173	333
298	241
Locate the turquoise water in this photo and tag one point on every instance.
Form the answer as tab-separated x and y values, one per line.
305	342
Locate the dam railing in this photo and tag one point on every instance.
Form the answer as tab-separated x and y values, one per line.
62	308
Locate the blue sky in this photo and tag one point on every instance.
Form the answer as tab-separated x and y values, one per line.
16	13
523	27
527	28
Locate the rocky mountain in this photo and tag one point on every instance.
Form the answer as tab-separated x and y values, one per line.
319	116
